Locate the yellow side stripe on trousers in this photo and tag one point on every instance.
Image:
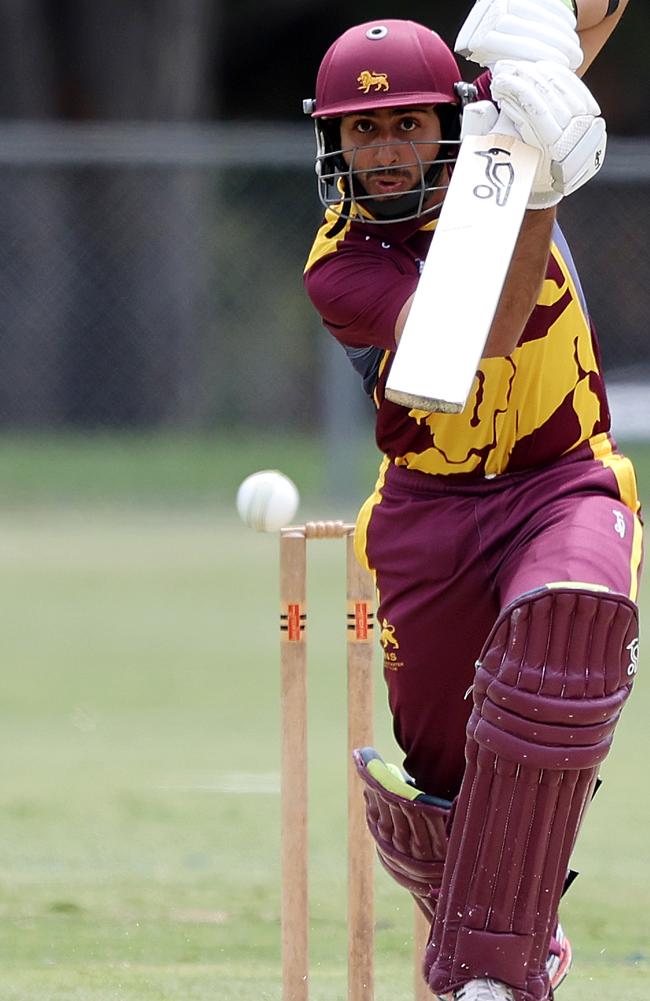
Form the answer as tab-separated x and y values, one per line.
623	470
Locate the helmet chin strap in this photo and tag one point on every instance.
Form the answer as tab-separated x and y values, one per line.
395	206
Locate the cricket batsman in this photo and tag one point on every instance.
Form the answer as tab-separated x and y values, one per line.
505	540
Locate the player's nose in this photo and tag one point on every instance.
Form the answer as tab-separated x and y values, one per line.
386	152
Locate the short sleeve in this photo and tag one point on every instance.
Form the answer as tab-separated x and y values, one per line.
359	295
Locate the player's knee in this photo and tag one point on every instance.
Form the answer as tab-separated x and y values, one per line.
554	675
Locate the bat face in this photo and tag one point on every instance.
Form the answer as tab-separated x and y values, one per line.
452	310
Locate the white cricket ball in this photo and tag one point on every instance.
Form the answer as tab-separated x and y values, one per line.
267	501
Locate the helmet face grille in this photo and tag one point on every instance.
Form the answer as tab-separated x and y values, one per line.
340	188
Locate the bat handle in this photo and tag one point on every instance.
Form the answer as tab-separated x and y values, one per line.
504	127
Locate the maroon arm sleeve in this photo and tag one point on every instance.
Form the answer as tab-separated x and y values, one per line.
482	84
358	296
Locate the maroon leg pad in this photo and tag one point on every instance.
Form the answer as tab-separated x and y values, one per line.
549	689
411	837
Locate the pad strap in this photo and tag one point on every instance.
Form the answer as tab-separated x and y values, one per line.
410	833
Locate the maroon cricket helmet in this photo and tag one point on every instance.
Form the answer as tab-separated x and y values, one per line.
383	64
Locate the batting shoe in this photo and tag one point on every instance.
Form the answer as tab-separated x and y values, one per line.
484	989
557	966
559	959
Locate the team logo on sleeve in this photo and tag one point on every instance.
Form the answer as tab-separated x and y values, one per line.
368	81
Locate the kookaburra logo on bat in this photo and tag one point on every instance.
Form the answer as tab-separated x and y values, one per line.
500	175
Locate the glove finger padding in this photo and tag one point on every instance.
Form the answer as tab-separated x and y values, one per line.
478	119
554	111
408	827
520	29
544	98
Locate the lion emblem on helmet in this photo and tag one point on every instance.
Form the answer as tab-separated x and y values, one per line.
368	80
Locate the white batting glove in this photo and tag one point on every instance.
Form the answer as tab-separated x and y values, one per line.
520	29
480	119
553	110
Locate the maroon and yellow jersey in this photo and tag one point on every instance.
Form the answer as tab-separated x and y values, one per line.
524	410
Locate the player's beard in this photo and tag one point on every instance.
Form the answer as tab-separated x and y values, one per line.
394	205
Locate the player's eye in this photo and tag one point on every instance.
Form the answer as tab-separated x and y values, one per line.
363	125
409	124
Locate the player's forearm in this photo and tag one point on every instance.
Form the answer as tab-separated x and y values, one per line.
523	283
592	12
596	22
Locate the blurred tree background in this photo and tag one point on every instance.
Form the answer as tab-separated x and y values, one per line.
200	59
156	169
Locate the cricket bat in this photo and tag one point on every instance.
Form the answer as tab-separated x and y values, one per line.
453	307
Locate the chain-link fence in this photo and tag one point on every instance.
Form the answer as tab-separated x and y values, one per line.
151	276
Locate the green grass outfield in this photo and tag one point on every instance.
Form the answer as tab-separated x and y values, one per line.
139	714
